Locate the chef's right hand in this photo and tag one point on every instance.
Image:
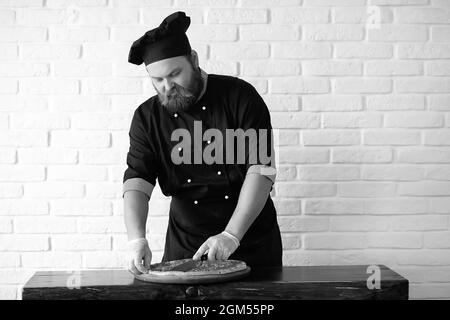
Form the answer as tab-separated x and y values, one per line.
139	256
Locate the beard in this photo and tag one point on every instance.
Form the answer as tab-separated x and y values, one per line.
180	98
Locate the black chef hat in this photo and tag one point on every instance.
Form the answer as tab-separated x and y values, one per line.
166	41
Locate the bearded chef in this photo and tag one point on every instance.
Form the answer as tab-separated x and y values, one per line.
221	208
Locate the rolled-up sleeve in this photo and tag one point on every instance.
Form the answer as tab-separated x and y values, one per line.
142	160
254	114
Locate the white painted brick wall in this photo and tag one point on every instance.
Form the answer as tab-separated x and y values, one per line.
363	115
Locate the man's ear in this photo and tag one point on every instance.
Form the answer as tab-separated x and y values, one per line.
194	59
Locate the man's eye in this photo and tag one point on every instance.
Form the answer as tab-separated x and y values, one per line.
158	79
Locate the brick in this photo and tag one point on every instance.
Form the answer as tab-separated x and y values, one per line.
427	257
424	155
21	207
347	257
221	67
58	260
360	15
78	3
334	241
306	258
302	155
77	173
292	15
282	102
437	240
150	15
291	242
295	120
363	51
299	85
395	102
330	138
302	224
297	50
15	276
362	85
236	16
267	33
220	3
78	34
419	223
21	3
394	68
396	206
11	190
267	3
438	68
361	155
101	121
440	33
47	156
334	3
82	69
331	103
397	2
80	242
392	173
240	51
423	51
391	137
286	173
101	225
80	139
106	260
212	33
352	120
274	68
6	225
54	190
8	51
306	190
358	224
419	85
407	240
9	260
108	17
287	206
424	188
24	69
327	173
318	207
8	86
7	156
438	172
414	120
77	103
49	86
365	189
16	103
331	68
105	51
437	137
24	243
421	15
19	173
398	33
39	121
43	17
23	34
80	207
111	86
50	51
44	225
334	32
104	190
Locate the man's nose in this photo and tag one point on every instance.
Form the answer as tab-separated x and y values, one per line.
168	85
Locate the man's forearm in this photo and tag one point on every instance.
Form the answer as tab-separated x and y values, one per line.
135	213
252	198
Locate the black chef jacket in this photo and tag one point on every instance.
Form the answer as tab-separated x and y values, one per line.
204	196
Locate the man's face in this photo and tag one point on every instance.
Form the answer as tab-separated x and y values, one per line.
177	82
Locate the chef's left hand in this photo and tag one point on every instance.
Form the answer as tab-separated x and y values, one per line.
219	247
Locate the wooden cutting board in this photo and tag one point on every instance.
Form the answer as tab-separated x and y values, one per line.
204	272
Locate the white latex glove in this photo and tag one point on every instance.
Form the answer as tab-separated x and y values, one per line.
139	256
219	247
